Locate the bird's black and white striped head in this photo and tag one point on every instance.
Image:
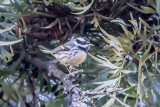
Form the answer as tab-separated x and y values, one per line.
83	43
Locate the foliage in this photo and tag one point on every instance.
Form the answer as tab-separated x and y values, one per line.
126	53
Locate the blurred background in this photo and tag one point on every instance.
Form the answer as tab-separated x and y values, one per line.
126	52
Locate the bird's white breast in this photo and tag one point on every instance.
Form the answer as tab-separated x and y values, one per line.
78	58
73	57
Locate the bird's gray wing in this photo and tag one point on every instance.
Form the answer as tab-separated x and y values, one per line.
65	47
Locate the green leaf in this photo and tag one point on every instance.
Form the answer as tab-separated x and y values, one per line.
158	6
152	3
135	24
7	29
108	83
156	27
144	23
144	56
110	102
52	24
18	6
5	55
47	2
11	90
104	62
145	10
121	23
125	98
9	14
2	43
84	9
124	40
127	71
113	41
56	102
22	79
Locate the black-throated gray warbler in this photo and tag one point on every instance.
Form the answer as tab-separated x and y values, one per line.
73	52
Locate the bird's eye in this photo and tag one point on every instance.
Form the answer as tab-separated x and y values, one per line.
80	42
87	42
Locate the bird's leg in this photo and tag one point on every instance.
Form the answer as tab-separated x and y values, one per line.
71	68
70	72
73	71
76	71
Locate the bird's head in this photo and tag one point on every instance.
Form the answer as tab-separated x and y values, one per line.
83	43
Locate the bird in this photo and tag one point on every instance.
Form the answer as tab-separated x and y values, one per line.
72	53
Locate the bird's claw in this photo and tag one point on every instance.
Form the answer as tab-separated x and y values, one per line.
78	71
72	74
73	71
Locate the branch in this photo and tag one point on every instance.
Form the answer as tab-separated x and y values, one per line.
108	93
7	102
70	89
45	14
32	89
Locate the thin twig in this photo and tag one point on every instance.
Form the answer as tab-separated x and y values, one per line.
68	24
32	89
71	88
105	93
82	26
77	72
114	90
90	102
75	93
75	26
45	14
9	104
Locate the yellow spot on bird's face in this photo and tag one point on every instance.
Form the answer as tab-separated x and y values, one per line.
87	42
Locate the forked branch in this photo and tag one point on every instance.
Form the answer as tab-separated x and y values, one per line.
76	93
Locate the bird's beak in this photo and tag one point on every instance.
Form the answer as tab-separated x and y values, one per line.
91	44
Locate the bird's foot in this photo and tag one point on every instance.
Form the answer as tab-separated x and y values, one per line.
73	69
72	74
78	71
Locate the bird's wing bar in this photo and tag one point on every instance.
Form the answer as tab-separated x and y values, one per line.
65	47
60	48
